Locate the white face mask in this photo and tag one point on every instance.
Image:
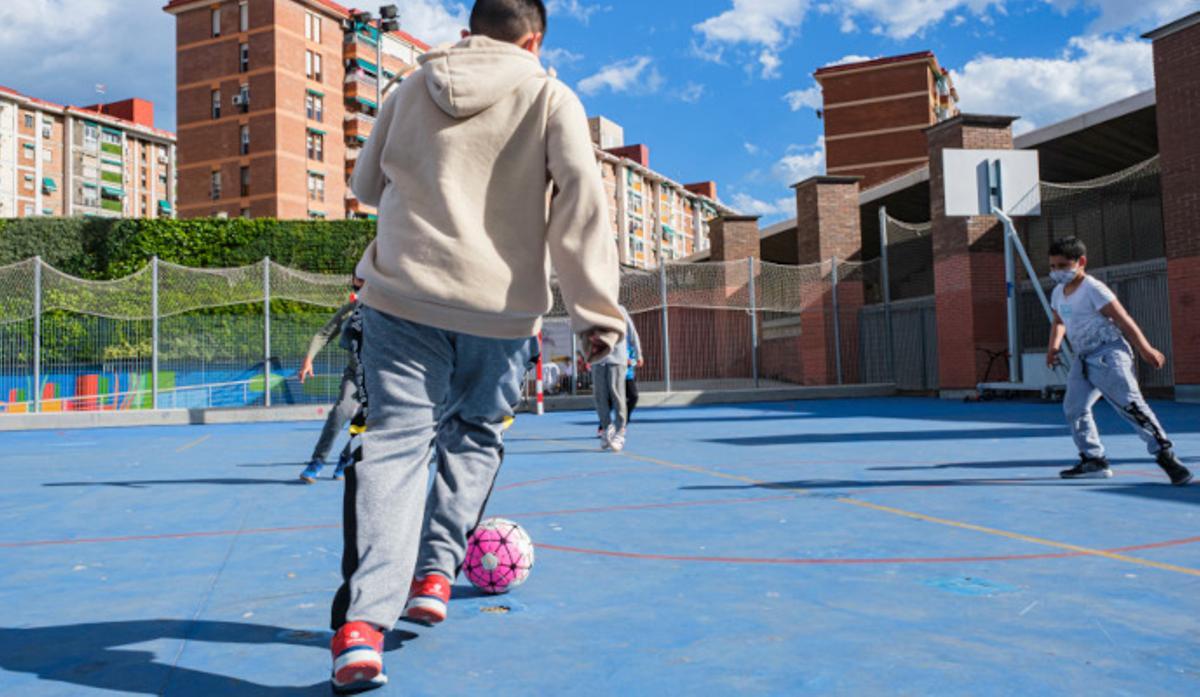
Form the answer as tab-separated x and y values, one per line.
1063	277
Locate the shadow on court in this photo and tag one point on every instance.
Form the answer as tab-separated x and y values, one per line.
88	655
1062	463
893	436
143	483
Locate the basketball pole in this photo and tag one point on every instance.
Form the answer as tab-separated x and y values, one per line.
996	197
886	282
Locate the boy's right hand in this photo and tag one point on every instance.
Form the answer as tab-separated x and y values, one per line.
306	371
597	347
1052	357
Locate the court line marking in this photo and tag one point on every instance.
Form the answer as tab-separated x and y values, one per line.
1085	551
193	444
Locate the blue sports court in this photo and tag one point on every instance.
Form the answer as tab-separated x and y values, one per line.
856	547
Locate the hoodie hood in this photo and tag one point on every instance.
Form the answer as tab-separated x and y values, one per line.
476	73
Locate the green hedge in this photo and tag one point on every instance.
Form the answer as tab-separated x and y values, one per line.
112	248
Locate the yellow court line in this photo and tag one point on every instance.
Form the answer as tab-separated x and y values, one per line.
925	518
193	444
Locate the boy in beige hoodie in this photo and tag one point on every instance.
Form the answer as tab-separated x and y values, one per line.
482	168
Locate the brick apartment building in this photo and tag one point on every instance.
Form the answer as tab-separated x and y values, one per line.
105	160
275	98
876	113
653	217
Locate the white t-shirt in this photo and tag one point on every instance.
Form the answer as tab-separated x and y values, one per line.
1087	329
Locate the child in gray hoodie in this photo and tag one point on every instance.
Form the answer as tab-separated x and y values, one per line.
483	171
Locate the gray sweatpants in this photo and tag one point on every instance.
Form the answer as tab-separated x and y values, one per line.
1109	372
608	385
342	411
428	391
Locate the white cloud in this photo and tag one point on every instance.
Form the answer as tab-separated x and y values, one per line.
810	98
559	58
575	8
1090	72
1121	14
800	162
770	64
784	207
852	58
765	25
51	49
433	21
692	92
751	148
902	19
629	75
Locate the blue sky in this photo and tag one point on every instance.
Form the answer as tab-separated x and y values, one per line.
718	89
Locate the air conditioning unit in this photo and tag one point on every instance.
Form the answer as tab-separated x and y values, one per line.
241	99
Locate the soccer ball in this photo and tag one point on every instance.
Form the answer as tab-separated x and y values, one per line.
499	556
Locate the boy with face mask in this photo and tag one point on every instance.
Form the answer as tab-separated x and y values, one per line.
1101	333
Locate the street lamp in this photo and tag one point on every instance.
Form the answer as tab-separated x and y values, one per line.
388	22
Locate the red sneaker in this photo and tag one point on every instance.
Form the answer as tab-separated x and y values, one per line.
427	599
357	658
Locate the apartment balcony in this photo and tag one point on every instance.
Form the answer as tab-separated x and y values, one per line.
360	84
359	125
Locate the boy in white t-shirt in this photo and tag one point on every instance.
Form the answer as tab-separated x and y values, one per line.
1101	333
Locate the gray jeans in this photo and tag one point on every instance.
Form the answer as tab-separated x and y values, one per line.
608	383
429	392
342	411
1109	372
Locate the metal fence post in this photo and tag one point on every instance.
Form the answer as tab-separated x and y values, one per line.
885	280
753	324
37	333
267	331
154	332
574	362
837	323
666	324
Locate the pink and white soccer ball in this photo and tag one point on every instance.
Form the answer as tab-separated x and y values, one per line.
499	556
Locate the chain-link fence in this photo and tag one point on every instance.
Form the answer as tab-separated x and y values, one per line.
166	336
169	336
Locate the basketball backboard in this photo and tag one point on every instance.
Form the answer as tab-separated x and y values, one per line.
971	181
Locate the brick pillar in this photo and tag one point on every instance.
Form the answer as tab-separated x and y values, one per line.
733	240
828	225
968	264
1177	83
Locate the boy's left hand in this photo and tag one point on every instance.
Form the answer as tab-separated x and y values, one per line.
1154	357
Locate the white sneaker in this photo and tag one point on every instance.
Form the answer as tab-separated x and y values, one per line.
607	437
617	442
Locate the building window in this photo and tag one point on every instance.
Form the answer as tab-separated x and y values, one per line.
314	107
47	128
242	100
29	121
216	104
29	182
245	150
312	27
29	152
316	146
91	136
243	16
216	22
316	186
244	58
312	65
90	196
47	154
28	210
215	186
245	180
245	213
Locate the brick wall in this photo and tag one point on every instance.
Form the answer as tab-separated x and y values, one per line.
968	263
1176	56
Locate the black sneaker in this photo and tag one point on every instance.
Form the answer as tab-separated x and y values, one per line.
1180	476
1088	468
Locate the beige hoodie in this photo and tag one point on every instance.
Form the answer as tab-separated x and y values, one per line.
460	164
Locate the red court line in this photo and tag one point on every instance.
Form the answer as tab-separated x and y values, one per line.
165	536
847	561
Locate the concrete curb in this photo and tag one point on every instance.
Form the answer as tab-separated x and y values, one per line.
196	417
